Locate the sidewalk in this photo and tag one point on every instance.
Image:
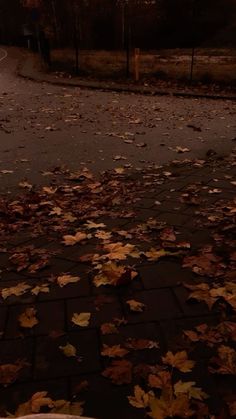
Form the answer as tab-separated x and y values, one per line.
122	281
31	69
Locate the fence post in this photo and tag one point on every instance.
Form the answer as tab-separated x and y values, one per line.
136	63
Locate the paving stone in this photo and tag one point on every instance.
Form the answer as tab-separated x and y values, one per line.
149	331
100	313
165	273
13	396
172	218
19	350
160	304
50	361
50	315
73	290
3	314
104	399
56	267
190	308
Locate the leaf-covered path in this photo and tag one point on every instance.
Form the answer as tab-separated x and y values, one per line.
118	293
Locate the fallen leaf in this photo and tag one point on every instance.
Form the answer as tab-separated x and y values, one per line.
81	319
140	399
68	350
70	240
108	329
139	344
10	372
91	225
164	408
120	251
115	351
112	274
179	360
161	380
28	318
225	363
189	388
37	401
40	288
17	290
136	305
120	372
67	279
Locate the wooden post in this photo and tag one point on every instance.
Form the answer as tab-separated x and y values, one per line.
136	63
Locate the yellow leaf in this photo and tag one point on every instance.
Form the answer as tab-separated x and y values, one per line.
114	351
120	251
91	225
18	290
70	240
28	318
81	319
67	279
112	274
189	389
136	305
171	407
68	350
40	288
68	408
9	372
34	405
179	360
140	398
154	254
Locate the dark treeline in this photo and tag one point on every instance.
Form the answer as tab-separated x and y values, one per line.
110	24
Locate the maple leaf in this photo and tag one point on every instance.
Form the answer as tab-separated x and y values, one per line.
63	280
179	360
168	235
225	362
120	372
163	408
25	185
17	290
140	399
161	380
67	407
40	288
70	240
139	344
81	319
201	292
37	401
10	372
103	235
68	350
154	254
28	318
136	306
56	211
115	351
91	225
108	329
204	264
189	388
120	251
112	274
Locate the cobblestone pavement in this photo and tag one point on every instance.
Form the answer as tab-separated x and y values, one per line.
182	209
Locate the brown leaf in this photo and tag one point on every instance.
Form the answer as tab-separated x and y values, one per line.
161	380
17	290
136	306
140	400
67	279
115	351
70	240
81	319
28	318
108	329
112	274
10	372
120	372
68	350
140	344
179	360
225	363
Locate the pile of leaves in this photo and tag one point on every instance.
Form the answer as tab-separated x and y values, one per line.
77	212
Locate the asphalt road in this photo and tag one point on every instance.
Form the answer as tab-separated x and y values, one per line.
44	126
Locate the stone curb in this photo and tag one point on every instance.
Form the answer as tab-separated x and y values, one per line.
27	69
